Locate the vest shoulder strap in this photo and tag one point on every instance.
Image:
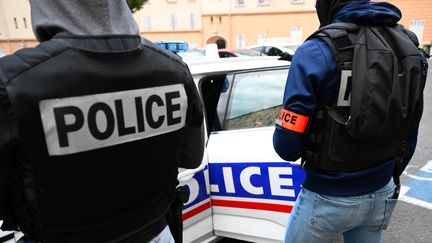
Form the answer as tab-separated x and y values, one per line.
340	37
24	59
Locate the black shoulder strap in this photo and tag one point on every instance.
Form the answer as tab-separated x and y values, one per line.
22	60
340	38
10	67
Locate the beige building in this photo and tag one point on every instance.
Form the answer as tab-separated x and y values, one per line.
242	23
229	23
171	20
15	26
239	23
417	16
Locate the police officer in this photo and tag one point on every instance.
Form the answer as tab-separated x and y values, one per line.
357	204
94	123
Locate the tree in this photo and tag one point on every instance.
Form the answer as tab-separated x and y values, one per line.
135	5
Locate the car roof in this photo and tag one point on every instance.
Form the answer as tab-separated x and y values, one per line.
234	64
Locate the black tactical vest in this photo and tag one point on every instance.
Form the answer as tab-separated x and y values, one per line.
87	118
329	146
379	104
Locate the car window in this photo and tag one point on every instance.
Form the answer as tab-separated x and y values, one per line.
273	51
291	47
255	99
223	54
259	49
248	53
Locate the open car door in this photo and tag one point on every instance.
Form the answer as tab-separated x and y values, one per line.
197	215
252	189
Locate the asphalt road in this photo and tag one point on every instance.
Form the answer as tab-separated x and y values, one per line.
412	219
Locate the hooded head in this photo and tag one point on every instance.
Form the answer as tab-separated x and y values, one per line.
81	17
327	9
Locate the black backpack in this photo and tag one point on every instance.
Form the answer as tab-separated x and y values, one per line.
380	101
385	90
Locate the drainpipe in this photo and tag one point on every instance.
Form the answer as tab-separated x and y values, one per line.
230	25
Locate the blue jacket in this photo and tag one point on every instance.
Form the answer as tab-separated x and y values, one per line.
313	79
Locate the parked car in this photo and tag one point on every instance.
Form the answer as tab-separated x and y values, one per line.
286	51
242	189
174	46
193	54
241	52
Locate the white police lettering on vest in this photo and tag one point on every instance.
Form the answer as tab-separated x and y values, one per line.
83	123
344	97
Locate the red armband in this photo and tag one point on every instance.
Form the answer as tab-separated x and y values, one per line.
292	121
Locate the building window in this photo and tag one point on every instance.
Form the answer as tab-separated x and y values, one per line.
192	20
173	21
16	23
417	26
239	2
147	22
296	34
262	37
263	2
241	41
25	22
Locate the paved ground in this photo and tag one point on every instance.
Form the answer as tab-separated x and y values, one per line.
412	220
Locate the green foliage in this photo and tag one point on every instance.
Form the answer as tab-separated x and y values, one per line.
135	5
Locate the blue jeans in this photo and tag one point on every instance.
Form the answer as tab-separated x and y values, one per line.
320	218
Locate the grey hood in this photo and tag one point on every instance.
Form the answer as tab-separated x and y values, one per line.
81	17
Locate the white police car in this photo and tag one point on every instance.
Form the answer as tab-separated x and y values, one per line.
243	189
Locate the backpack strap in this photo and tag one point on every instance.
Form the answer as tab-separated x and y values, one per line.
340	38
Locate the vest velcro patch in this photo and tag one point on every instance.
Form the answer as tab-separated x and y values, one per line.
292	121
77	124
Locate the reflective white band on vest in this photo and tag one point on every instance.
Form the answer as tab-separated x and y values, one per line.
344	97
84	123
